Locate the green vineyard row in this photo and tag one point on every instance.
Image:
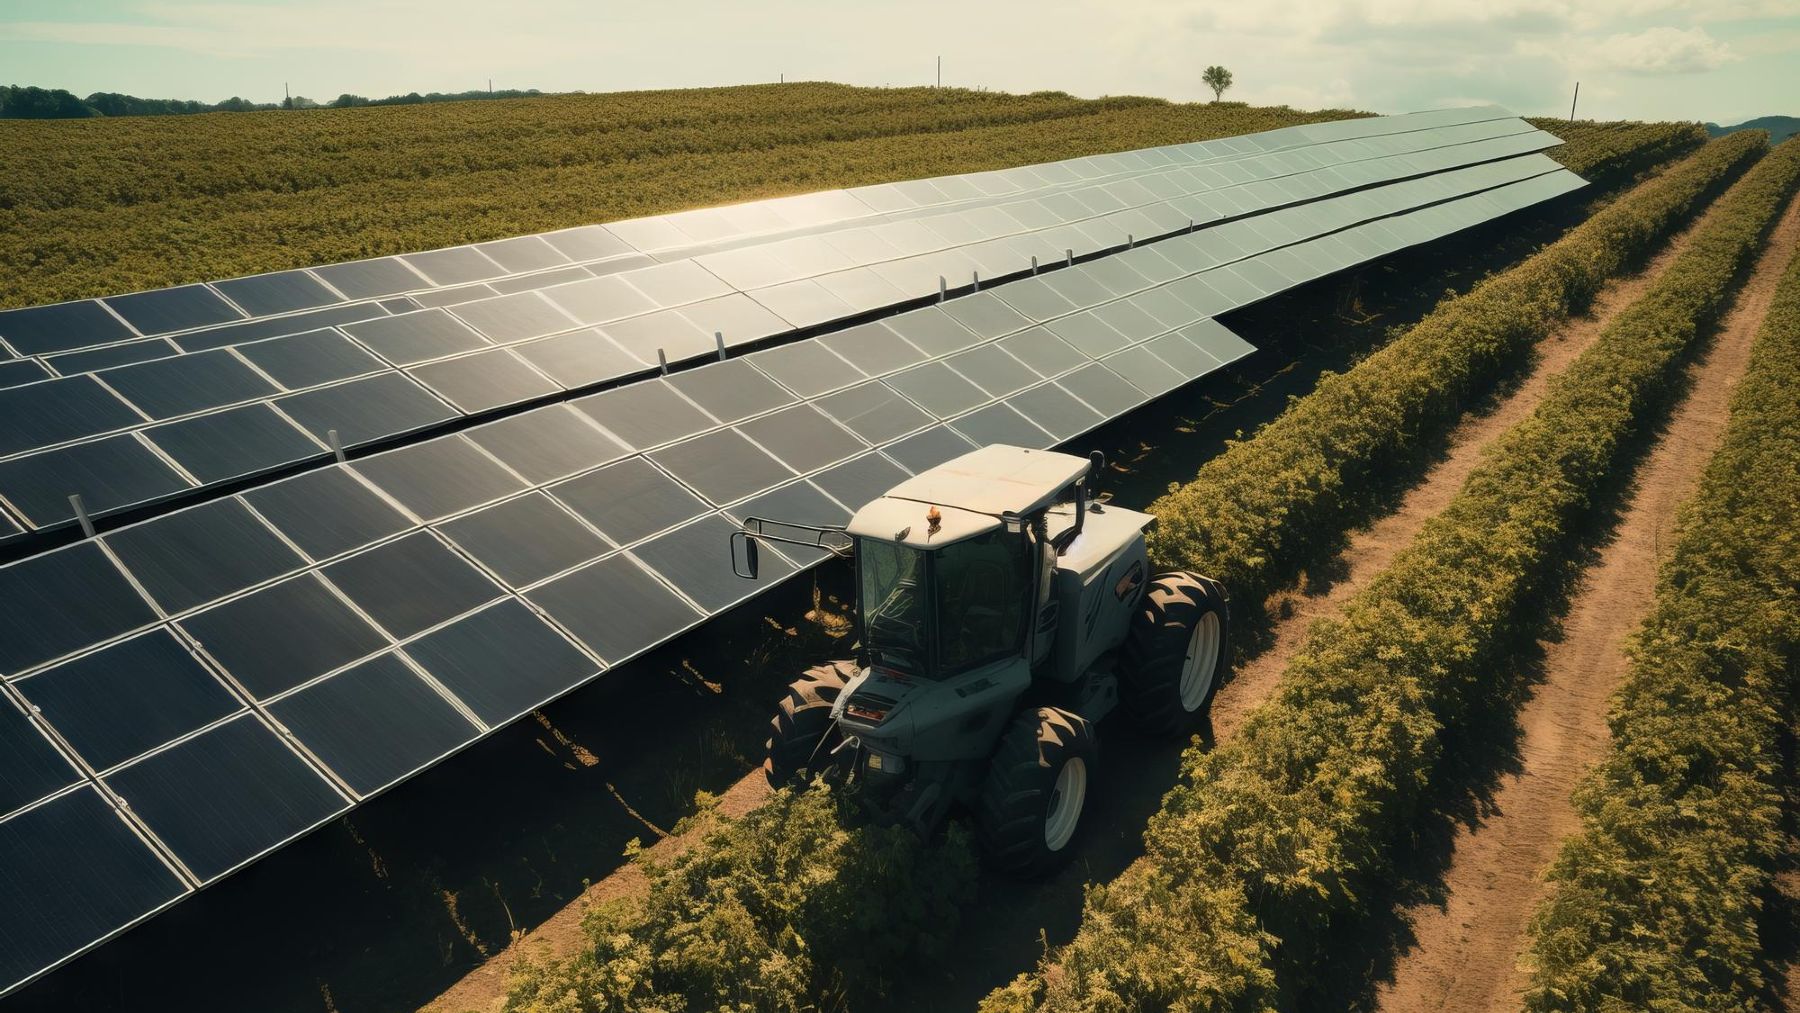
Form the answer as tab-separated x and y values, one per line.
1280	841
1656	899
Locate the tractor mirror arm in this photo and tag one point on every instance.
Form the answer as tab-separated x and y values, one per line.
830	538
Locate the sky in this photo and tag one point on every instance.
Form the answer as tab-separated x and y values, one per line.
1717	60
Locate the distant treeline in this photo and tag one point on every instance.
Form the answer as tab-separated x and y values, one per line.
25	102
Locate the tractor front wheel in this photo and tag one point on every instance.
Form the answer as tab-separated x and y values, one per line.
1177	652
1036	792
802	734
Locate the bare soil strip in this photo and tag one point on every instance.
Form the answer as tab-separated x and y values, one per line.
1466	952
1251	682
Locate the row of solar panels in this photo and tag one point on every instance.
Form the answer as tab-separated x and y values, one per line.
89	322
1253	183
194	690
134	434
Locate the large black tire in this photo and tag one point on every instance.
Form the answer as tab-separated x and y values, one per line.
1020	798
802	724
1152	690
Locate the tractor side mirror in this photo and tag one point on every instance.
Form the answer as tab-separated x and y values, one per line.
743	548
1096	468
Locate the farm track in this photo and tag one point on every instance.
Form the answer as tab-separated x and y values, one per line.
1465	950
1008	923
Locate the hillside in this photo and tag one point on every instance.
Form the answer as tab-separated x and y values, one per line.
1780	128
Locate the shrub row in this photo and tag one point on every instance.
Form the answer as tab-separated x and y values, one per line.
1655	901
1278	841
783	910
1257	513
722	924
1605	152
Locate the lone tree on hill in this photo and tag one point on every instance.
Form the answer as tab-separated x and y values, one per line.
1218	79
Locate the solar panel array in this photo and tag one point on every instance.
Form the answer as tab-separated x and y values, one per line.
186	693
225	403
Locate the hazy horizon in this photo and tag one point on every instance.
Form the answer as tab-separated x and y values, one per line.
1636	59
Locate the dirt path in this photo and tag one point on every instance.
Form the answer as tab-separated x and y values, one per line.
1466	954
1251	683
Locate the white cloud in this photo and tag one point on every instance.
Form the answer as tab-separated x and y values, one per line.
1662	50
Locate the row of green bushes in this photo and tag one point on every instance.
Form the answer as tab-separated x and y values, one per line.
1283	839
721	925
1256	514
783	910
1656	900
1605	152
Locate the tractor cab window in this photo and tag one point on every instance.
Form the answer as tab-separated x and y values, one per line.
893	586
983	585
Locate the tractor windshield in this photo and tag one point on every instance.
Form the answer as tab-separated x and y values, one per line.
893	603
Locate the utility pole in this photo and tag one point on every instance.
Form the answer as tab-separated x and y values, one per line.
940	79
287	96
1572	101
490	87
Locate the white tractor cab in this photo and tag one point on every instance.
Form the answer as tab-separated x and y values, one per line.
1002	610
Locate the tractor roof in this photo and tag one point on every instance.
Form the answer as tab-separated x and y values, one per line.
994	480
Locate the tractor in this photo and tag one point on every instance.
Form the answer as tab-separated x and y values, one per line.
1002	609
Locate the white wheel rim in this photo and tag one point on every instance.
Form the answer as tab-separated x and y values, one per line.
1202	660
1066	801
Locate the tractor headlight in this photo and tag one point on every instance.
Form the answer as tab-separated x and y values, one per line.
887	763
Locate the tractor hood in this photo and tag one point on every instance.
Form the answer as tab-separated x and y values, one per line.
909	522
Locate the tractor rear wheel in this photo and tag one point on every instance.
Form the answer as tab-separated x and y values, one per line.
802	734
1036	792
1178	650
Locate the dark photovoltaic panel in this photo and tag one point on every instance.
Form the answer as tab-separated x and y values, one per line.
115	472
280	636
172	309
375	723
375	636
30	767
72	872
240	441
40	329
56	411
124	700
281	292
168	387
501	661
226	795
